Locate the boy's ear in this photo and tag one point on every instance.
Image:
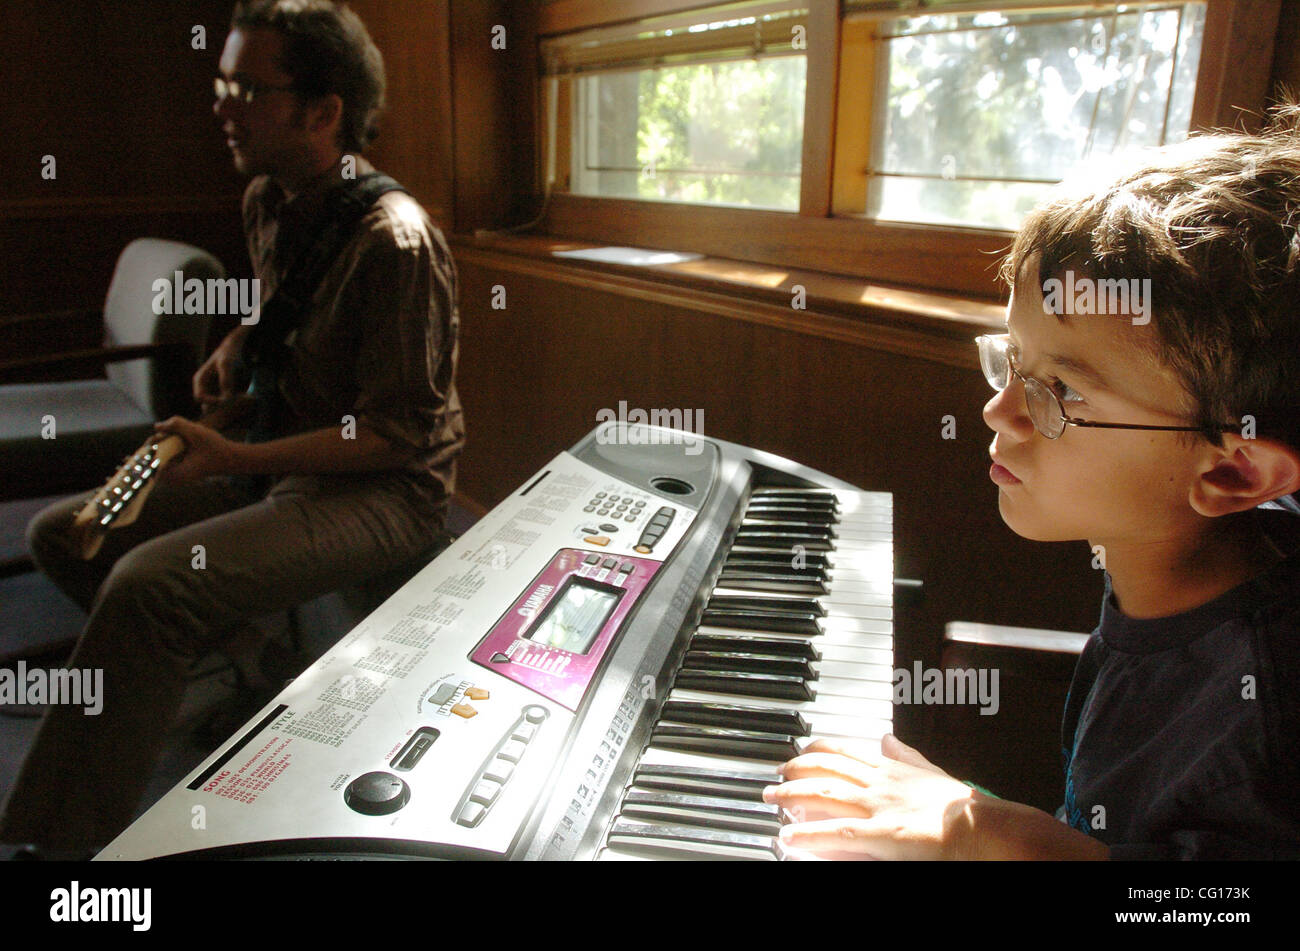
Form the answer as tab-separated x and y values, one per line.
1243	474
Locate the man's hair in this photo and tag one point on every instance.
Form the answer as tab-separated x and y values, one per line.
326	50
1212	222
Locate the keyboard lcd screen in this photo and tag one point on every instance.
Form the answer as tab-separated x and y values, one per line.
575	617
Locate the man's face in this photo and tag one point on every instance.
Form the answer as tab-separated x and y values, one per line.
268	135
1104	485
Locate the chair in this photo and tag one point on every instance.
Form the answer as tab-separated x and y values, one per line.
149	360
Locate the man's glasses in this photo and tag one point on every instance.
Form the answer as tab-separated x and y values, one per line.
243	90
997	359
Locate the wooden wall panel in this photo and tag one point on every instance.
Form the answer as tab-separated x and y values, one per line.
121	99
415	143
495	105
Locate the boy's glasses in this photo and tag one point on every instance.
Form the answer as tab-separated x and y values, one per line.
243	90
1046	411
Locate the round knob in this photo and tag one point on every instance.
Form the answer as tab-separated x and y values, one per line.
377	794
535	714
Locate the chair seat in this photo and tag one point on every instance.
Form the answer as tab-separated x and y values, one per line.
96	426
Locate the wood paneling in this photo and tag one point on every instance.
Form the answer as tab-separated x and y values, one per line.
415	143
495	103
1232	82
122	100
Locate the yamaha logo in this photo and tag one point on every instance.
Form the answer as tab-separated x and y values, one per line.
535	600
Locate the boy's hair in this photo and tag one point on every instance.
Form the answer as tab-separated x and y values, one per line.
326	50
1212	222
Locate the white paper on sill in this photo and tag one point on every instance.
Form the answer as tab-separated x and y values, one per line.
635	257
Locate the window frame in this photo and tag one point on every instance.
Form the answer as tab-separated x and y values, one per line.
1231	91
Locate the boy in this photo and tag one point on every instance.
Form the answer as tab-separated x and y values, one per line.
1155	427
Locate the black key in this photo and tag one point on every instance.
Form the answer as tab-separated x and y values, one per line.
767	539
794	491
745	684
754	643
777	559
770	581
734	716
783	622
679	838
778	530
735	784
766	602
758	663
758	520
752	744
710	812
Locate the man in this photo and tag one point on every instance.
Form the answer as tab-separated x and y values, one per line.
360	428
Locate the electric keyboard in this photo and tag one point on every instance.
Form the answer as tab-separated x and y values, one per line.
611	664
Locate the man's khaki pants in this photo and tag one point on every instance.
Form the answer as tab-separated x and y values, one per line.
202	559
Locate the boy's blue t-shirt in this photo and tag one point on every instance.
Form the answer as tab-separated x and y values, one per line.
1181	735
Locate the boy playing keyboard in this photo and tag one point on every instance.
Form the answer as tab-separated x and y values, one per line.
1156	426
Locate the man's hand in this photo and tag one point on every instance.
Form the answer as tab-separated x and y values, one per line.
207	452
221	375
851	802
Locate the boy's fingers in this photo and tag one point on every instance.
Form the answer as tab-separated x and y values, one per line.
846	838
808	799
827	765
894	748
857	838
856	749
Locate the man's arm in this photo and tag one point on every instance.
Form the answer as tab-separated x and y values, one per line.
850	803
208	453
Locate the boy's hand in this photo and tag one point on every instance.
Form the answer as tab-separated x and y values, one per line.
850	802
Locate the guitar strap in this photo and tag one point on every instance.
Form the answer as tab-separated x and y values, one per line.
266	349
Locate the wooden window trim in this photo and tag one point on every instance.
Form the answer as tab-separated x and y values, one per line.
921	256
567	16
1232	90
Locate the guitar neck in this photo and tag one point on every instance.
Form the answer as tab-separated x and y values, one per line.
118	503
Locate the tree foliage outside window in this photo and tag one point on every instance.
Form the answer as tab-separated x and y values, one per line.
983	113
727	133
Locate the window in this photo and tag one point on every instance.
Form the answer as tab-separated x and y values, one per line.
980	114
927	128
706	108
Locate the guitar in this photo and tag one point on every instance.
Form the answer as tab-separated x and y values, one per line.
119	502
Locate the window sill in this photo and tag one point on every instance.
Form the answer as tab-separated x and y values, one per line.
917	323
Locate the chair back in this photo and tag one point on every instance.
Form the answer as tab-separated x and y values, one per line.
136	313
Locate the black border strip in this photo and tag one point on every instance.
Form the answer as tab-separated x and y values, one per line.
533	484
243	741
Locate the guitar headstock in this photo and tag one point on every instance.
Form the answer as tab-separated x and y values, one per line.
119	502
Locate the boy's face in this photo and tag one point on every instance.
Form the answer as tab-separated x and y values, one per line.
1104	485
